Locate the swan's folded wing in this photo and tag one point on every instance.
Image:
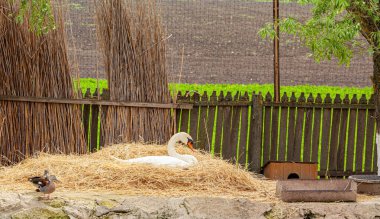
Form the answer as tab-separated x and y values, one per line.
158	161
190	159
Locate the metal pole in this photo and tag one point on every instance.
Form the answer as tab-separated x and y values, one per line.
276	52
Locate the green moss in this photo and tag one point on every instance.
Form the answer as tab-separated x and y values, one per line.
41	213
56	203
108	203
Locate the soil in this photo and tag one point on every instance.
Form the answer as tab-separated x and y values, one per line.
218	42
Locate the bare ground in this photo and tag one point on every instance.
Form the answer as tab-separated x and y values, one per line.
218	42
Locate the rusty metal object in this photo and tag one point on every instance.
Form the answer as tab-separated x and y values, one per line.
316	190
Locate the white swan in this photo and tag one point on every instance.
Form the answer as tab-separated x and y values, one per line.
174	159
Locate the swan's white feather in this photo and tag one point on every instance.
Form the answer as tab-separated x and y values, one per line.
157	161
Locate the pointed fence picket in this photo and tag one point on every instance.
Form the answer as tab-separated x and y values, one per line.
336	133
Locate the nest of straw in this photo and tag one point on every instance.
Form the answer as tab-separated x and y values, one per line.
98	172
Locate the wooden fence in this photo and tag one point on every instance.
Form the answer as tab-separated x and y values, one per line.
251	130
338	134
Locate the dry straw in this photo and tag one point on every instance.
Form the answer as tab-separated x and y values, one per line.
133	44
35	67
98	172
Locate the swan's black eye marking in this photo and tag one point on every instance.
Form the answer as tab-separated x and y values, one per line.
190	140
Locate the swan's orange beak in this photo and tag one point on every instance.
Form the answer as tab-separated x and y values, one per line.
190	145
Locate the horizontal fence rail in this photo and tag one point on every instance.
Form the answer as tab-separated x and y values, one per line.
102	102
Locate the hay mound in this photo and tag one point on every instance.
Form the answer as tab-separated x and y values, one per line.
98	172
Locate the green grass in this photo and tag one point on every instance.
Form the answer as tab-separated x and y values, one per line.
263	88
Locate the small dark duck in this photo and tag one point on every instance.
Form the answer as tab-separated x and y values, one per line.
45	183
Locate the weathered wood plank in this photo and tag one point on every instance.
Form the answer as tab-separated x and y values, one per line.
228	150
343	136
254	149
95	102
178	113
185	114
105	95
94	124
202	129
299	130
283	129
370	133
325	135
194	117
86	118
243	131
333	153
374	164
235	122
211	121
360	136
291	129
274	133
267	130
351	135
219	126
308	130
316	130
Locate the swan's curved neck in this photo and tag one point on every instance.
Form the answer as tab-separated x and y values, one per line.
171	146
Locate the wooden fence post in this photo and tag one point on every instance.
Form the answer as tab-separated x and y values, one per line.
94	124
254	153
244	130
178	113
211	119
86	118
219	126
194	117
103	110
283	128
227	124
202	132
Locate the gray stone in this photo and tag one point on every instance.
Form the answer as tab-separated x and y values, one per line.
326	210
9	201
101	210
200	207
80	212
19	206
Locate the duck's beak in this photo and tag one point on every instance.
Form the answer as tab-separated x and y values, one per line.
190	145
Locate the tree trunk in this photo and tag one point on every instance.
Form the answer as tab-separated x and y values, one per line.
376	86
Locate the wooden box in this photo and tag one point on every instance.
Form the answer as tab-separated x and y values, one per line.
282	170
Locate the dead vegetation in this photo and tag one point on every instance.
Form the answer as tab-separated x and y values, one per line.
35	66
133	45
98	172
